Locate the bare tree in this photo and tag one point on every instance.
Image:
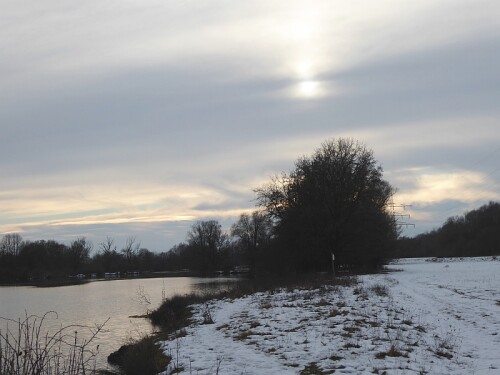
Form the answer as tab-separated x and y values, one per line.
11	244
209	240
130	249
108	246
252	232
80	253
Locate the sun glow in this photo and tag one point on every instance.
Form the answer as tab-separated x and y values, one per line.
308	89
304	59
304	69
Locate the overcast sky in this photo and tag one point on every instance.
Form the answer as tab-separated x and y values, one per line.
136	118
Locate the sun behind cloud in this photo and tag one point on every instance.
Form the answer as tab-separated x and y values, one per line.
307	86
309	90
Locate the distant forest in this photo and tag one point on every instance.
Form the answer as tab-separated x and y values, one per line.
334	202
32	261
477	233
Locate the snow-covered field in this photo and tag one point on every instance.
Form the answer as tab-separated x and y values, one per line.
426	317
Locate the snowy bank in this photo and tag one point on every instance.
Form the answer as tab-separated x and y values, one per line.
425	318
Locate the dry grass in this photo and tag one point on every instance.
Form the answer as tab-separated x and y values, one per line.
393	351
30	348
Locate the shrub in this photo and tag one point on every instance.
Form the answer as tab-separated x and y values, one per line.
32	349
174	313
380	290
143	357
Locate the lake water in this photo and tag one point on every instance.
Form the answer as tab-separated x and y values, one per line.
94	302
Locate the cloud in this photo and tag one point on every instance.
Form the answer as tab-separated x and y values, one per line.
119	116
465	186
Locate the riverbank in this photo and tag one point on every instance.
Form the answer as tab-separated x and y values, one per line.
428	318
72	280
95	302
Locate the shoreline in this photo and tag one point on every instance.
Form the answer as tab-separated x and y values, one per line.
409	321
75	281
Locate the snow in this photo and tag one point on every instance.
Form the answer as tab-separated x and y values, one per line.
425	317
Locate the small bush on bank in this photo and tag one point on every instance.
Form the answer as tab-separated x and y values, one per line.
173	313
144	357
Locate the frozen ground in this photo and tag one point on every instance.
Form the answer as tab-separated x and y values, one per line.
440	317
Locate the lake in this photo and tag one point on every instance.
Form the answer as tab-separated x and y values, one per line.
94	302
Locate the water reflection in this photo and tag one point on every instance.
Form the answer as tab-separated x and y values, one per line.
95	302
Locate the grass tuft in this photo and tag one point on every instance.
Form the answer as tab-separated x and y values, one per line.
336	358
380	290
313	369
244	335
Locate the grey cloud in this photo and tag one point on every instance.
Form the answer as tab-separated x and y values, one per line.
453	80
222	123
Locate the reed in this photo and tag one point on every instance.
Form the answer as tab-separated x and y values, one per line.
27	347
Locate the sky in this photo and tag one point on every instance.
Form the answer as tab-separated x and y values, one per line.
138	118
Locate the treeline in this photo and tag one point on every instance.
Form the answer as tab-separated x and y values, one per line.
476	233
333	203
22	261
207	250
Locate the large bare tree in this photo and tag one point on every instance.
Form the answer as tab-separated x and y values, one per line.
335	201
